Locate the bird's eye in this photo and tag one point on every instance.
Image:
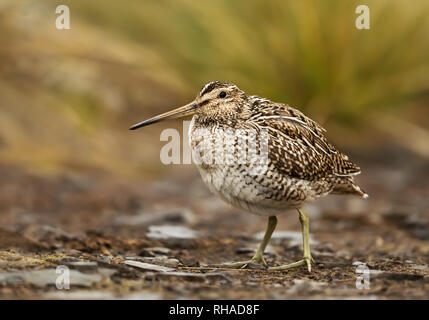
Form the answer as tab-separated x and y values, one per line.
222	94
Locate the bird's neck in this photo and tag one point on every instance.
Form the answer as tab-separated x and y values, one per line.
207	121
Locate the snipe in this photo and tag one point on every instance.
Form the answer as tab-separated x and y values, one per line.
295	162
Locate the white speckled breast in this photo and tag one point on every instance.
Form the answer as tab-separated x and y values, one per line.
235	182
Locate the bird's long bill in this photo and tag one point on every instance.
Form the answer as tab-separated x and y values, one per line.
176	113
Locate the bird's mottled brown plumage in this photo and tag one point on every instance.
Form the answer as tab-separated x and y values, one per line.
302	164
262	156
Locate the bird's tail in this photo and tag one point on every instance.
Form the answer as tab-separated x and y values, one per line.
347	185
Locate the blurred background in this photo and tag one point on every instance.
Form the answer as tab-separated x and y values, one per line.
68	96
76	184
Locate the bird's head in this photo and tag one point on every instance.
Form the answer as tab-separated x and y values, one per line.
217	101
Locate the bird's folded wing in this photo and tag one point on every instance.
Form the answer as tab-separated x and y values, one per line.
298	148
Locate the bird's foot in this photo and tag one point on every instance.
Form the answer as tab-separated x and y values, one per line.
257	262
305	261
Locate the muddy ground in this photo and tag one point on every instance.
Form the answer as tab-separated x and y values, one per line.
150	239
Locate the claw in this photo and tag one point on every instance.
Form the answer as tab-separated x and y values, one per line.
259	259
304	261
308	262
255	263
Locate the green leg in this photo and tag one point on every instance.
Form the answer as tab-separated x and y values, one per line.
258	257
306	259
